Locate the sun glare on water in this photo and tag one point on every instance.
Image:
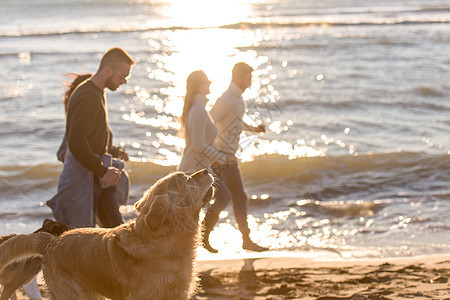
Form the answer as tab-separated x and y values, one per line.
206	13
203	45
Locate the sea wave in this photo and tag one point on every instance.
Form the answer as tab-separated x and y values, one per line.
272	23
61	32
339	209
432	103
303	221
267	168
323	178
275	24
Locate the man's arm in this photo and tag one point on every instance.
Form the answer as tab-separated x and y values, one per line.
258	129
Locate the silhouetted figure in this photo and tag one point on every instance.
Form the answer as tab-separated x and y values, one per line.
227	114
197	126
199	130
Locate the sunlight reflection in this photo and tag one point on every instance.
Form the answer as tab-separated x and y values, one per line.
213	50
169	158
313	234
228	239
206	13
171	140
161	121
203	44
264	147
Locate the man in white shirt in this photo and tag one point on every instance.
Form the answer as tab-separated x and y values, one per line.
227	114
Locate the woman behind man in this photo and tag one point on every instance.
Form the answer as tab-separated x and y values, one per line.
199	134
107	205
200	152
198	127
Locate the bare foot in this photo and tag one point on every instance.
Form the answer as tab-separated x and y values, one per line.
249	245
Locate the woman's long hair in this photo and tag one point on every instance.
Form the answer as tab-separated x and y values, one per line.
193	83
72	85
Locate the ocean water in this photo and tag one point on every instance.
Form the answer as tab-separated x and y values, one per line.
354	94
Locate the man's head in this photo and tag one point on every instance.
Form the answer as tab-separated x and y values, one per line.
242	75
115	67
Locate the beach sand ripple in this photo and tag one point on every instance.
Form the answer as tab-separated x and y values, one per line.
411	278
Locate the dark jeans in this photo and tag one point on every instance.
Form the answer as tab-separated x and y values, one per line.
106	206
230	187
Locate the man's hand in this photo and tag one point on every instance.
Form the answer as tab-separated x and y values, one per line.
260	128
112	176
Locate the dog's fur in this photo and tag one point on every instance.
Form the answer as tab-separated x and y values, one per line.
19	273
149	258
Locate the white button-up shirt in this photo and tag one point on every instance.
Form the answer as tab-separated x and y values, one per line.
227	114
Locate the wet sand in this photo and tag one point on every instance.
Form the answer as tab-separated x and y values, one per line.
424	277
421	277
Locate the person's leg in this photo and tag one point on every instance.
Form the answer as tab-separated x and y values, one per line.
233	179
222	197
108	208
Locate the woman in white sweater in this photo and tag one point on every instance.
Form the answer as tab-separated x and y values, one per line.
199	134
198	127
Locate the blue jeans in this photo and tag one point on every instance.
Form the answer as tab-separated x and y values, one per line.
230	187
106	206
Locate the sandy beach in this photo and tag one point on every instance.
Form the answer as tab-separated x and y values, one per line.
424	277
420	277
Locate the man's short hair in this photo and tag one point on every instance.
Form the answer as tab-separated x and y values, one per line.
241	69
115	56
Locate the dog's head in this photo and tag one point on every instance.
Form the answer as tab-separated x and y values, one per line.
176	200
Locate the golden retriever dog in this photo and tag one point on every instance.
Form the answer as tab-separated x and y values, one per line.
151	257
19	273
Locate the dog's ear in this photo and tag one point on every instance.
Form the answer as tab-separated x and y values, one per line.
158	211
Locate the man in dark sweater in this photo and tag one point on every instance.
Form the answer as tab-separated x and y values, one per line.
88	136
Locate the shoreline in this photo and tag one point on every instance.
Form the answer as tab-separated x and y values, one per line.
256	276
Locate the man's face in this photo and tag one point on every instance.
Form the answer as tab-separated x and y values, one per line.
244	81
119	76
247	81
